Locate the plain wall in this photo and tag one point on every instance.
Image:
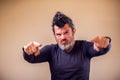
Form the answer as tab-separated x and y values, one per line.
22	21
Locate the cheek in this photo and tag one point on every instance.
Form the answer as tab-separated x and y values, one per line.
70	36
57	39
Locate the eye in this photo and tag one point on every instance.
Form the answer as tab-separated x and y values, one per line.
66	32
58	34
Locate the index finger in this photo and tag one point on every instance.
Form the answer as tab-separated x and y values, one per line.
37	44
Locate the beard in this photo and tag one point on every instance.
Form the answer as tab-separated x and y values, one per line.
68	45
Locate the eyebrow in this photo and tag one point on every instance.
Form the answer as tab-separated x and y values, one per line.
63	33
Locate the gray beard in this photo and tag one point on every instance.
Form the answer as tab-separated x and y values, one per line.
68	46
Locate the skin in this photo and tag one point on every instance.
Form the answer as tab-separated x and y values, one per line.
65	39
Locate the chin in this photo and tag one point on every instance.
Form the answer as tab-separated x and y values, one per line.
65	47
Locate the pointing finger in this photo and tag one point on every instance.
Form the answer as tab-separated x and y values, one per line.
37	44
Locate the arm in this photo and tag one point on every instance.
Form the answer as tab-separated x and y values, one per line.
98	46
101	42
33	54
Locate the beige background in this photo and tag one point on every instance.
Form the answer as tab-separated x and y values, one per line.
25	21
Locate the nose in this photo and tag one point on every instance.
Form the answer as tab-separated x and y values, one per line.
62	36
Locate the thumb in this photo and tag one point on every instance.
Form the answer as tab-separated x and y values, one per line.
96	47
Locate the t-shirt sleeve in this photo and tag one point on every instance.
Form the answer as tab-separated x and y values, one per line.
44	56
92	53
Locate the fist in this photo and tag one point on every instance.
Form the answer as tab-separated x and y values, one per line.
32	48
101	42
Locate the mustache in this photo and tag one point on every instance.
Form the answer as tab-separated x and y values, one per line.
63	40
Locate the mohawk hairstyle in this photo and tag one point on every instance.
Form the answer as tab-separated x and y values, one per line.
60	20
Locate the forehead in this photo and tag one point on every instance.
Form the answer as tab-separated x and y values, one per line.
62	29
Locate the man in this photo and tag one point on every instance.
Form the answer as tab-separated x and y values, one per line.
69	59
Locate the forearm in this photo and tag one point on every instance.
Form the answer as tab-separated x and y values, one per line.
101	42
104	50
41	57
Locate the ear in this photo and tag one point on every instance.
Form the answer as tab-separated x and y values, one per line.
74	30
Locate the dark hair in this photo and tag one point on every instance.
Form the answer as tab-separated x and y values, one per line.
60	20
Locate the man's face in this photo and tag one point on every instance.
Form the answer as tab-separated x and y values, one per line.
64	36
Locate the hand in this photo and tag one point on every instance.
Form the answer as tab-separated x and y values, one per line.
32	48
100	42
